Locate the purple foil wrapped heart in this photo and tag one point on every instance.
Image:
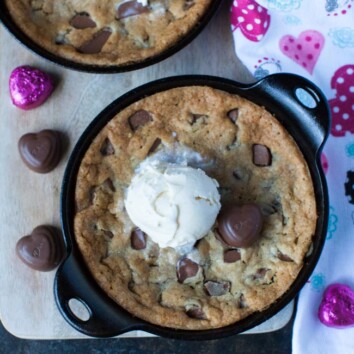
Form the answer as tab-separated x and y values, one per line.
29	87
337	307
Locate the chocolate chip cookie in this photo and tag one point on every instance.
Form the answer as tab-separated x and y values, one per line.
259	169
106	32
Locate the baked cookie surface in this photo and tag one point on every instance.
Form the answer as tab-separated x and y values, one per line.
223	131
106	32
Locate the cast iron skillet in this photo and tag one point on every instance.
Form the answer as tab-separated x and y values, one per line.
309	128
8	22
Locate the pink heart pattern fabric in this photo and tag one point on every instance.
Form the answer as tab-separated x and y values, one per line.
342	106
315	39
252	19
305	49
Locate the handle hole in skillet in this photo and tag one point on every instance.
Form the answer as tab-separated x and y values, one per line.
307	97
79	309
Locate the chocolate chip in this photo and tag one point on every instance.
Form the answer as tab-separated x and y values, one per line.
42	250
242	302
231	256
41	151
195	312
196	117
240	226
233	115
107	148
154	146
96	43
188	4
82	21
108	234
130	8
138	239
109	184
261	155
283	257
139	119
241	175
217	288
260	274
186	268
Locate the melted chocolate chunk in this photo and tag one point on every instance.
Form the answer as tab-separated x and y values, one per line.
240	226
217	288
188	4
260	274
233	115
186	268
138	239
196	312
82	21
130	8
283	257
109	184
139	119
41	250
108	234
231	256
261	155
196	117
41	151
154	146
107	148
96	43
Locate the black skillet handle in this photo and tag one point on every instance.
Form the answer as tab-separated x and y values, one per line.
71	283
304	104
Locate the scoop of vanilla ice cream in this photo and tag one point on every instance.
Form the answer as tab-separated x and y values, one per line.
175	205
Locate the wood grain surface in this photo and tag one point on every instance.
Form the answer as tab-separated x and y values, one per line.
28	199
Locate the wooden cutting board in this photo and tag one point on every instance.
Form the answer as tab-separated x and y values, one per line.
28	199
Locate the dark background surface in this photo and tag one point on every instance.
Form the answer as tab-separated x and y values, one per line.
278	342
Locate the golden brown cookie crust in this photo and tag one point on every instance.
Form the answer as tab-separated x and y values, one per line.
144	282
133	39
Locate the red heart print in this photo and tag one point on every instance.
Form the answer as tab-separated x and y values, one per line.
305	49
252	19
342	106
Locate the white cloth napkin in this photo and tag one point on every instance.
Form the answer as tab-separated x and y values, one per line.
314	39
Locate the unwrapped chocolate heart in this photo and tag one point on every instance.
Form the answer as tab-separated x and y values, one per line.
29	87
239	225
337	307
41	151
41	250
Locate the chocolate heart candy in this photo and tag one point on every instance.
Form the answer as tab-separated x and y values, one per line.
130	8
96	43
337	306
186	268
240	226
42	250
29	87
41	151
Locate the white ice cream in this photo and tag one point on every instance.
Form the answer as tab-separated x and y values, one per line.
174	204
143	2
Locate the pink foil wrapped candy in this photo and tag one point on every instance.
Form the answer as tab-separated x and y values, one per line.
337	306
29	87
